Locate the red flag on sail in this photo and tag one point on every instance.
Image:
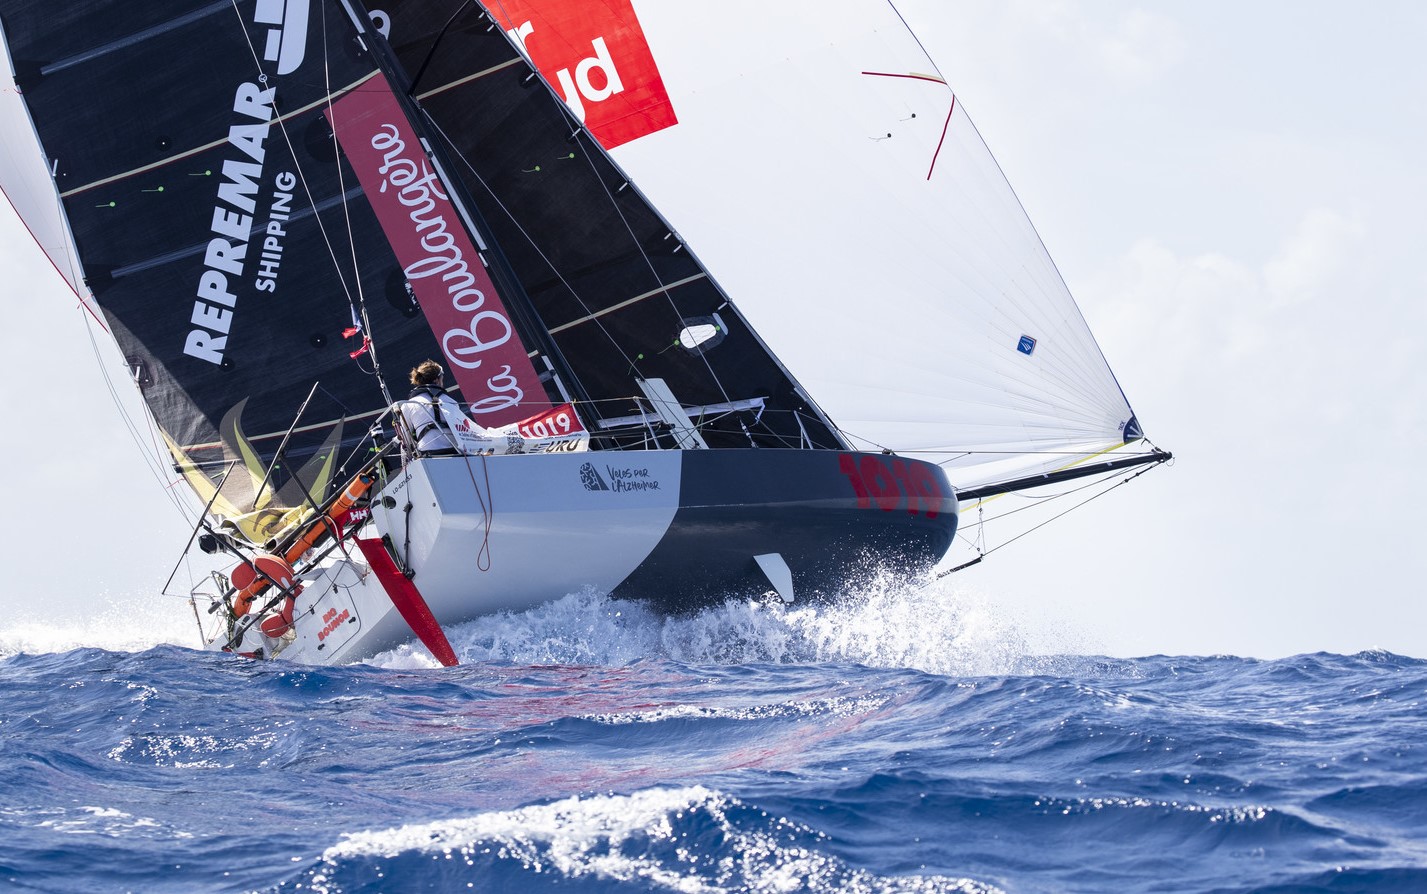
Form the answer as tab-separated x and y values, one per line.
596	56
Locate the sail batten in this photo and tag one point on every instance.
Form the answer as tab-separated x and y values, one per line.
278	120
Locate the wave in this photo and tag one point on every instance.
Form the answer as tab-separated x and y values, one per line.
666	839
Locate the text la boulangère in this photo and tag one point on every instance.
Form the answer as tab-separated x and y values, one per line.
233	227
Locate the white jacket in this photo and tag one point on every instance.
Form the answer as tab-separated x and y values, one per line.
426	413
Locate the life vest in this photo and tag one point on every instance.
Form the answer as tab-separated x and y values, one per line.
424	412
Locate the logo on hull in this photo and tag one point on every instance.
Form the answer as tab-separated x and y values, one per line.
591	479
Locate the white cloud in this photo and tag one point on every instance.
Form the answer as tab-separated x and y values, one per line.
1134	45
1312	257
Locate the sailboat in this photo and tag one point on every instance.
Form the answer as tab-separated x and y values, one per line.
276	207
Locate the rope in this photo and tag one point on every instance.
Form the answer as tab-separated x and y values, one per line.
1137	473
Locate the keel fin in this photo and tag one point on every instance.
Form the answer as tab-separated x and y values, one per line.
778	574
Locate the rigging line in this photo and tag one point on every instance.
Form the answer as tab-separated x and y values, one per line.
440	35
1046	498
75	275
150	459
281	121
436	127
648	262
1084	458
1057	516
585	151
282	448
360	310
202	523
483	555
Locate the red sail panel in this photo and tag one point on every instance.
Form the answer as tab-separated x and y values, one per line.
457	297
596	56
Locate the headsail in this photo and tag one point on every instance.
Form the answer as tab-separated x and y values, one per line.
26	183
928	314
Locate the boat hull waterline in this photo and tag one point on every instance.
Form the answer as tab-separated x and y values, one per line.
678	529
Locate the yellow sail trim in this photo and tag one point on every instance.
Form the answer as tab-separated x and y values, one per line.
239	508
1070	465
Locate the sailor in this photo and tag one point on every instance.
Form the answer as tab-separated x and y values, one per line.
429	412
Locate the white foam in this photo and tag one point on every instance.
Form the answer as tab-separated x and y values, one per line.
109	822
888	623
639	837
817	707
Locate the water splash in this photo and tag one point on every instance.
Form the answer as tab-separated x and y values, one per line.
117	623
890	622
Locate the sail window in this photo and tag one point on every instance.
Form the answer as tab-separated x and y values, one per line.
702	334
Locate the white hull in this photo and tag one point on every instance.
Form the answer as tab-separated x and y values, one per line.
481	535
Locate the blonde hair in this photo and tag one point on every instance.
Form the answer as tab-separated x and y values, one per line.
428	372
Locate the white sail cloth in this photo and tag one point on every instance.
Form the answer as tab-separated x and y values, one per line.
851	209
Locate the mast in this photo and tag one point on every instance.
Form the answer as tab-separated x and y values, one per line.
527	322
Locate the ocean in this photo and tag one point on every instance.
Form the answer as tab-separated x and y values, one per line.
899	741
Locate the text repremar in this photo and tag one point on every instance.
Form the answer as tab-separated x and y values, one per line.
232	225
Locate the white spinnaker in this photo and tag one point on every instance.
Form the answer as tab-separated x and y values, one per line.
25	179
799	173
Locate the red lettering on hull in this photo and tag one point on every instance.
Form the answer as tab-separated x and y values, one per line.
893	483
331	621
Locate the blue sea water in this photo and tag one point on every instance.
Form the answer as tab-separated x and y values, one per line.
891	743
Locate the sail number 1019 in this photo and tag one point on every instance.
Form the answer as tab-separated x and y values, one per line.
892	484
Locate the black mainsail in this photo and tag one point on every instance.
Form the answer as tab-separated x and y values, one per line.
239	262
607	276
225	242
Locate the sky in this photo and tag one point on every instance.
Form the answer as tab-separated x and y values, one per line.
1232	192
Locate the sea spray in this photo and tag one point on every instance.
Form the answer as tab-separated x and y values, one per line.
124	623
888	622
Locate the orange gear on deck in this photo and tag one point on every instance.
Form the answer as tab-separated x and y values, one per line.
256	575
